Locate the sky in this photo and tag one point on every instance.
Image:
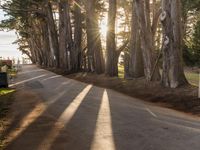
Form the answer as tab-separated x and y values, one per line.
7	49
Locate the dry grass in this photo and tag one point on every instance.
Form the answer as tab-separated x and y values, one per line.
6	99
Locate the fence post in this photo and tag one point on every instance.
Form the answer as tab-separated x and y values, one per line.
199	86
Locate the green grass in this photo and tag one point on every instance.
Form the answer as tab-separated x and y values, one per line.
6	91
120	71
192	77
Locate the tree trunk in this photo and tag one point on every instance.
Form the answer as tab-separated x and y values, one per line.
147	42
173	73
67	56
32	51
77	36
126	65
95	54
53	36
45	44
111	56
136	67
63	35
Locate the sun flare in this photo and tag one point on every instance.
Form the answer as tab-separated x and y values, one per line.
103	29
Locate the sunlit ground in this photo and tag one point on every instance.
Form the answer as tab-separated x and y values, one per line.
104	121
65	117
23	125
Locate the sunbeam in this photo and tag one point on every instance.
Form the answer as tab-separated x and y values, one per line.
33	116
26	121
65	117
103	136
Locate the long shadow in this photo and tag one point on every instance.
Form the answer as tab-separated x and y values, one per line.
31	137
78	133
22	113
16	120
29	80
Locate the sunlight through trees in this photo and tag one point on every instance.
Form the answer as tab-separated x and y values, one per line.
95	36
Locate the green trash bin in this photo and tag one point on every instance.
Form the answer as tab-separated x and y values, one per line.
3	80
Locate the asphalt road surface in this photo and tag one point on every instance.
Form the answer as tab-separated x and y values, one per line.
52	112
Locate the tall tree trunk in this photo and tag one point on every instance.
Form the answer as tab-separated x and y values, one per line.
147	42
70	49
63	35
67	55
95	54
77	36
111	56
53	35
32	51
127	65
136	67
173	73
45	44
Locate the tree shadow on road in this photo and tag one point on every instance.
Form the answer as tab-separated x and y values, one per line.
35	132
78	133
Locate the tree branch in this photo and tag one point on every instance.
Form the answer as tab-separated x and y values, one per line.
155	22
121	48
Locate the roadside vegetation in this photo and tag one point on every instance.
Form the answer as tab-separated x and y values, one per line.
192	77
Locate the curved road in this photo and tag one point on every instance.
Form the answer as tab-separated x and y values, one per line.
52	112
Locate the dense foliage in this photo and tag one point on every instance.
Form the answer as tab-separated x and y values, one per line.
191	19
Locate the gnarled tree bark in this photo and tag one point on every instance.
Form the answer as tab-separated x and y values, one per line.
173	73
147	40
136	66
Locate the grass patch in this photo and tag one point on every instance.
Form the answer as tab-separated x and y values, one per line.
120	71
193	78
6	91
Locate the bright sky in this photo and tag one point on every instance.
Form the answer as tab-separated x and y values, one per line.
7	49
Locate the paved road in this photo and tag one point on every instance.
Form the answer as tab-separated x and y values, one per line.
52	112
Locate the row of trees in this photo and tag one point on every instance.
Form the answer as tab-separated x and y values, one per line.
65	34
191	21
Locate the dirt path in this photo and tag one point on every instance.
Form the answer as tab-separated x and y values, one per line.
52	112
